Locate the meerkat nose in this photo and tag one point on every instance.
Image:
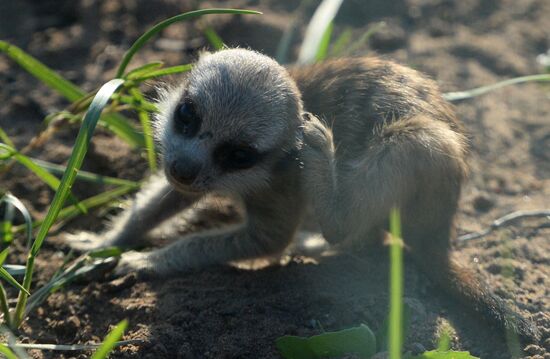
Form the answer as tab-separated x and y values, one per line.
185	171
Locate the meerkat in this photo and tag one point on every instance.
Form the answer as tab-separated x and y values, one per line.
352	138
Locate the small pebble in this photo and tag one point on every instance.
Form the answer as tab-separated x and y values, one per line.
483	203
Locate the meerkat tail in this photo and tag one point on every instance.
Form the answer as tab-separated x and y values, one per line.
467	287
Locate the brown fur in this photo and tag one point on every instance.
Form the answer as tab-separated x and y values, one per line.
387	138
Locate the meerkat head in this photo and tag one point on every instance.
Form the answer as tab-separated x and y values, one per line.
229	123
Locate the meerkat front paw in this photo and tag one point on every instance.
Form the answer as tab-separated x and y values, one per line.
316	135
134	262
86	241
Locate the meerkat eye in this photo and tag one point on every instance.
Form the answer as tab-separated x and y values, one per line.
186	120
236	157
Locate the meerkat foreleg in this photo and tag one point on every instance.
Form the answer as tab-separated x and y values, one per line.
154	203
269	227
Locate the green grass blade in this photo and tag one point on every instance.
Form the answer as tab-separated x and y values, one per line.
5	138
4	306
52	181
322	51
15	269
3	256
8	278
142	40
4	350
96	201
316	30
6	232
110	340
85	175
77	157
164	72
24	211
106	252
341	43
395	332
75	162
120	126
461	95
435	354
213	38
147	130
115	122
42	72
373	29
139	71
101	199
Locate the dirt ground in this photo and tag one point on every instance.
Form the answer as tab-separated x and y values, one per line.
230	313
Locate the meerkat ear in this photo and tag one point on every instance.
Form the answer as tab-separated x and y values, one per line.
307	116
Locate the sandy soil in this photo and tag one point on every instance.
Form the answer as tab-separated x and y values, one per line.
230	313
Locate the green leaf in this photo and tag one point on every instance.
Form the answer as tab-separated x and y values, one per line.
461	95
317	29
359	340
42	72
213	38
444	355
142	40
8	278
110	341
322	51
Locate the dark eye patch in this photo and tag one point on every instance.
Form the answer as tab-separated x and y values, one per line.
186	120
234	156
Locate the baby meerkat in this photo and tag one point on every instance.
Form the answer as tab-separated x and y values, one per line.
376	135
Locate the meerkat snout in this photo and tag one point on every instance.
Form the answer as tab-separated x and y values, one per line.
184	172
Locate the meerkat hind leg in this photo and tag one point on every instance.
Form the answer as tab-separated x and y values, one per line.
406	163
